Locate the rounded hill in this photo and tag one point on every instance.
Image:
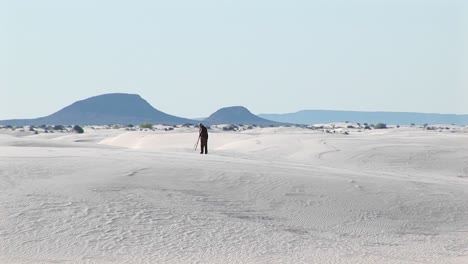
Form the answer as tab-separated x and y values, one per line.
114	108
237	115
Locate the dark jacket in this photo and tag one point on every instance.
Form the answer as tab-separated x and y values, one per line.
203	132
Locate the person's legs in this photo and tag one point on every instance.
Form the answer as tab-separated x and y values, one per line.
206	146
203	145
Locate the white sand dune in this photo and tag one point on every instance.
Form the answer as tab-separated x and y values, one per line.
270	195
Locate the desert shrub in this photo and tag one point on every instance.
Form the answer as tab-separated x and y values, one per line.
380	126
78	129
230	128
58	127
130	125
367	127
170	128
412	125
146	125
350	126
398	126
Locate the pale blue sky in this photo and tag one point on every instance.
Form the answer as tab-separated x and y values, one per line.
190	58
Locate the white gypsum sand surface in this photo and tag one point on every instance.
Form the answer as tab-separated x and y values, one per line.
266	195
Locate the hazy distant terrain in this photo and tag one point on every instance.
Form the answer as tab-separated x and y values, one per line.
395	118
105	109
120	108
132	109
238	115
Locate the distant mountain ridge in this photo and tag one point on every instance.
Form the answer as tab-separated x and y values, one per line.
237	115
121	108
114	108
395	118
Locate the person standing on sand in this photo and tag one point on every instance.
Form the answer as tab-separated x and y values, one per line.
203	134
